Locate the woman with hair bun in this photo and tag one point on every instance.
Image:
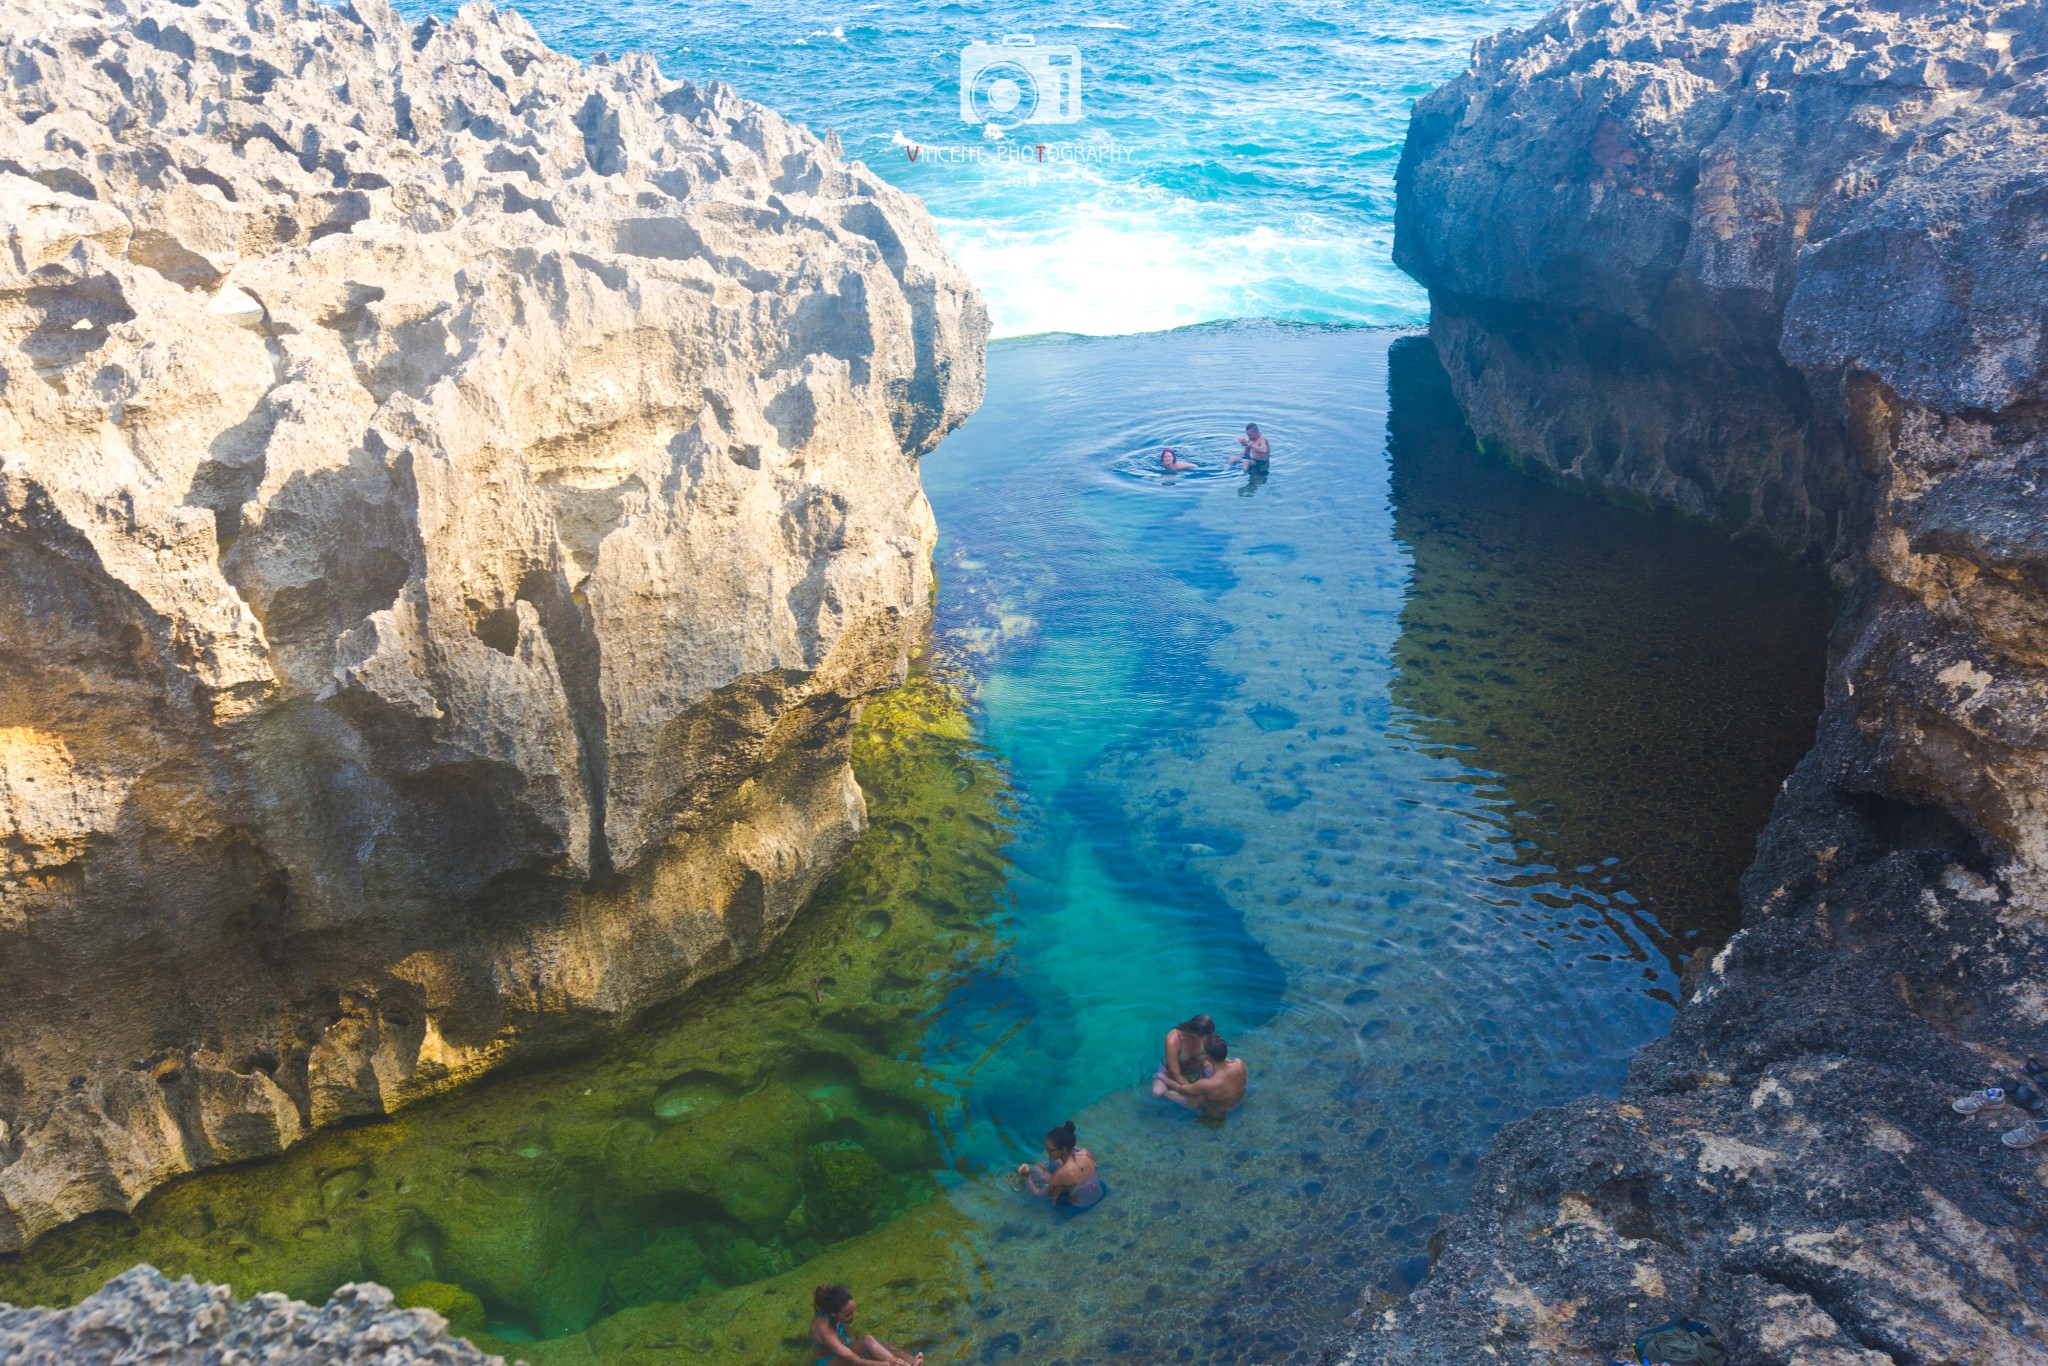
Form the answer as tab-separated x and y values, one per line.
1069	1179
1184	1058
832	1331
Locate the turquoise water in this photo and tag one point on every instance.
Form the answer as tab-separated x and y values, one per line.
1232	161
1243	794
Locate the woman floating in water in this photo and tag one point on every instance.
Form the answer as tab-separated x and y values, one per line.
1221	1086
1170	461
832	1330
1184	1058
1069	1179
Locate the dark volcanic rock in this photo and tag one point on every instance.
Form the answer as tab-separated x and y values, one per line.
1781	265
141	1317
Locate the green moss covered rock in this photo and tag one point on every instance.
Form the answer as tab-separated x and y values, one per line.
667	1270
845	1190
548	1193
735	1259
464	1311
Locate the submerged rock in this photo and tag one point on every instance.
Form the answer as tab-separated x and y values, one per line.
141	1316
452	502
1780	265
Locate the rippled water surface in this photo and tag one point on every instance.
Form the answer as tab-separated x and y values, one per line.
1233	160
1420	775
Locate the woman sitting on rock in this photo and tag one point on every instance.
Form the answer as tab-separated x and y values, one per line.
832	1330
1069	1179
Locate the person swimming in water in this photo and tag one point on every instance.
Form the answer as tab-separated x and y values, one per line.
832	1330
1184	1057
1069	1180
1219	1090
1170	461
1257	450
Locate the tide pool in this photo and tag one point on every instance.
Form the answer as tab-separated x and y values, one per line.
1421	775
1231	161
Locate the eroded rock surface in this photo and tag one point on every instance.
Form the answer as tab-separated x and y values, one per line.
1781	264
141	1316
452	500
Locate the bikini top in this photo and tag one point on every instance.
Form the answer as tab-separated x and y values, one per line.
840	1329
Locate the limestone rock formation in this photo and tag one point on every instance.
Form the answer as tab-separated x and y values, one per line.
1781	263
141	1316
452	501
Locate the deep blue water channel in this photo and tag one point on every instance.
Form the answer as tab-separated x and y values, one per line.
1420	776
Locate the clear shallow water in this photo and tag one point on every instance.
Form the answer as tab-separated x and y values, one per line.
1234	161
1420	775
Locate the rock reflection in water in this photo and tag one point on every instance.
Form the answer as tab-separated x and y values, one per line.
1639	685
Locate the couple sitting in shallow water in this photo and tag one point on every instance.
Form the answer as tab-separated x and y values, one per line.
1199	1071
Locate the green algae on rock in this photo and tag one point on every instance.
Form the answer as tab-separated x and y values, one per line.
463	1311
732	1141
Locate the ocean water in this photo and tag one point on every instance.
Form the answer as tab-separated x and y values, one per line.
1231	160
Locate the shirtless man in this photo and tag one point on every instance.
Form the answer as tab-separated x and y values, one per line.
1221	1089
1256	449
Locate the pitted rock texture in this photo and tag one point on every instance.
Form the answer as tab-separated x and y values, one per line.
1783	265
140	1317
452	501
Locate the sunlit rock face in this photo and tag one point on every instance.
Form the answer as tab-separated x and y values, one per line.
1785	266
452	501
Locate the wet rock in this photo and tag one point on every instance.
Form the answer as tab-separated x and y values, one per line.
453	500
1778	265
141	1316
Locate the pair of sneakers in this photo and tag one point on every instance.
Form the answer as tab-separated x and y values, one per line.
2025	1098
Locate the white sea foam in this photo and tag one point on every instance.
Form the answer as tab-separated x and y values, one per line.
1102	272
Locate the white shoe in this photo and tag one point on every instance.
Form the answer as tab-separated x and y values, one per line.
2027	1135
1980	1102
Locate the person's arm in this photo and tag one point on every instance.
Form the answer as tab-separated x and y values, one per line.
1173	1057
1200	1090
1065	1179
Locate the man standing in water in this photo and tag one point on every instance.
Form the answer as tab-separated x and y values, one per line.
1220	1090
1256	451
